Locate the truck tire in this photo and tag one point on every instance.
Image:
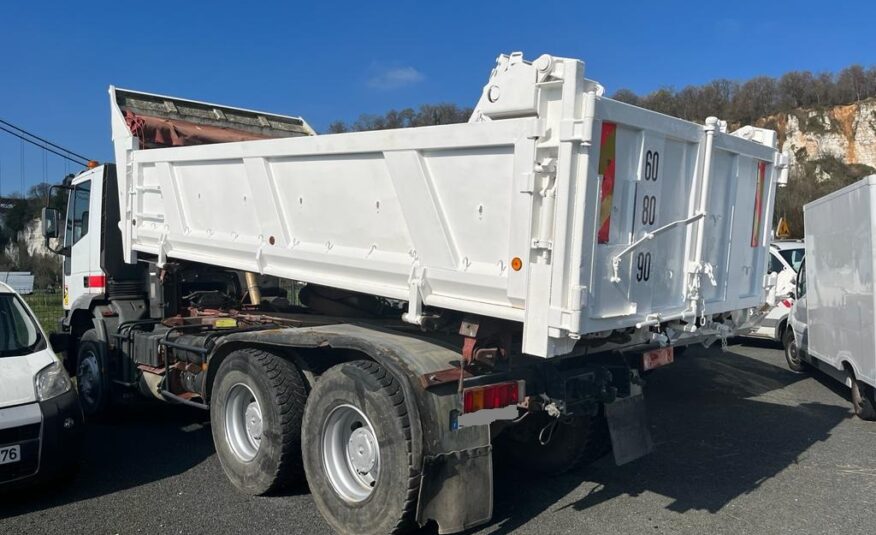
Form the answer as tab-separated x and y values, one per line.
863	400
358	453
792	352
255	410
573	442
92	377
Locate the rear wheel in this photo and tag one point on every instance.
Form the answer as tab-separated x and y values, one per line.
792	352
255	411
552	446
358	452
92	381
863	399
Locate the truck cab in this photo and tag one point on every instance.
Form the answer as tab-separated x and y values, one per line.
83	276
89	241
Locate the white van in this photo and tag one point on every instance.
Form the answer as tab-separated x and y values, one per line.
833	317
40	416
785	259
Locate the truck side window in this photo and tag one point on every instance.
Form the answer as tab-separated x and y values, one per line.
776	265
77	214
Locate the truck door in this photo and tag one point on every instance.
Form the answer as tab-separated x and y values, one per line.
82	273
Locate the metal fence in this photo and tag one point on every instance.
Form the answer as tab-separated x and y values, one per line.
47	307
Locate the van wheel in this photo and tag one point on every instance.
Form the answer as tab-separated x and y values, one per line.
546	445
255	413
92	378
359	456
863	399
792	352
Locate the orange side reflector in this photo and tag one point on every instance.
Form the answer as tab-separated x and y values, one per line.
606	169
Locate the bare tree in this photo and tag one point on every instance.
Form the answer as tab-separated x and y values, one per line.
625	95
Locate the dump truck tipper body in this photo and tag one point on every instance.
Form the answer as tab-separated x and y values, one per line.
379	310
555	207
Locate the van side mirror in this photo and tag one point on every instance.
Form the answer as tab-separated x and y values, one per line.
800	289
51	221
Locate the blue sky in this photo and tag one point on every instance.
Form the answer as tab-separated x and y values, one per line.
335	60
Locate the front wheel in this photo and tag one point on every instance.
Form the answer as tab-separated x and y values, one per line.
359	457
792	351
92	382
255	413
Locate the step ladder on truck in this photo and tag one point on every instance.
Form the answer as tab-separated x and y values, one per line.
493	287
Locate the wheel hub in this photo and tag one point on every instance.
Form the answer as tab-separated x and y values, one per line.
88	377
362	450
243	422
351	453
253	418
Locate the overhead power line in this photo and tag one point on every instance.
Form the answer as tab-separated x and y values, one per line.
42	143
62	155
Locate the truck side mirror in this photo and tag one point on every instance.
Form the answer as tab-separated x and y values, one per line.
51	220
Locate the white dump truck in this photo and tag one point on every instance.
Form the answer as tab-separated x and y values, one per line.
454	289
833	320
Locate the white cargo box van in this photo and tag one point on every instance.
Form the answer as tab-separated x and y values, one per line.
833	318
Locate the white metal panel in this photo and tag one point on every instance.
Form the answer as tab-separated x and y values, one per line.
839	274
439	214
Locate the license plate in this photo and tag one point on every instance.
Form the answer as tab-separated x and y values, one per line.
658	357
10	454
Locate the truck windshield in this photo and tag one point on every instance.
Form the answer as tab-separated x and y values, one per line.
19	334
794	257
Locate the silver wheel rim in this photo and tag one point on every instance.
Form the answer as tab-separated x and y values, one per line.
792	351
88	379
350	453
243	422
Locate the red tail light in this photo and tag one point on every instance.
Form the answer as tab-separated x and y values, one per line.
492	396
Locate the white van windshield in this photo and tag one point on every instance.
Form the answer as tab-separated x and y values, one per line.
793	257
19	334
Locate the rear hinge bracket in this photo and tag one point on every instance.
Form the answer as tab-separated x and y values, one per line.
576	131
416	283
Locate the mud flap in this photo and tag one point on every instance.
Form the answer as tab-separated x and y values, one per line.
457	490
628	424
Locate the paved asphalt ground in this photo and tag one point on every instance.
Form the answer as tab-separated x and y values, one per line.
742	446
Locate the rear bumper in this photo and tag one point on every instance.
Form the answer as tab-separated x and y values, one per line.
50	445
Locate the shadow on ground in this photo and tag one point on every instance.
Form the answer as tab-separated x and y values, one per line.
144	443
722	427
723	424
